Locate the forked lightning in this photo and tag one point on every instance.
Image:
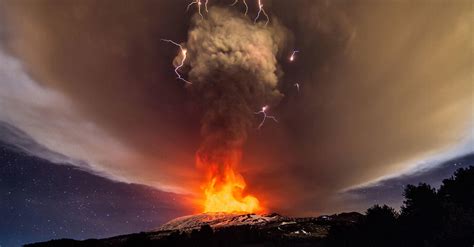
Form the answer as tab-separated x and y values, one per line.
183	53
265	116
261	10
199	4
245	3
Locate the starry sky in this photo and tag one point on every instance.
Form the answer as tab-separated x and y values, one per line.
99	138
42	201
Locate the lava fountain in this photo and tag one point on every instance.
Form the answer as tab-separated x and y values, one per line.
225	188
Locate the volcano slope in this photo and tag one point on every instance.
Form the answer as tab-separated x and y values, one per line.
219	229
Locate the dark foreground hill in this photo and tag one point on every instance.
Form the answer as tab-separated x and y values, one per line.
428	218
228	230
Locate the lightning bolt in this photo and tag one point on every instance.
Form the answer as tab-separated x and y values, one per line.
199	4
183	53
260	11
297	85
245	3
292	57
265	116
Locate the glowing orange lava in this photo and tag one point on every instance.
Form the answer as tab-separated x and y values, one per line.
224	191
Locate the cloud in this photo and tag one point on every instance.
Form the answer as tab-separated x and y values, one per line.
64	136
382	85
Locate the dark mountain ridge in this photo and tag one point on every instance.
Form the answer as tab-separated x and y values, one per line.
220	229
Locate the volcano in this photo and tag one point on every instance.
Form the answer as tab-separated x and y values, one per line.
220	220
229	229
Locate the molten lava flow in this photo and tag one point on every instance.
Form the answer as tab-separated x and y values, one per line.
224	191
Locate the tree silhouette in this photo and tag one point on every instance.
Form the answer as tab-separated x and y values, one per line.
381	215
427	218
457	197
421	215
380	226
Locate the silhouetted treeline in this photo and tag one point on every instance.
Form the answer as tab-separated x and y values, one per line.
428	217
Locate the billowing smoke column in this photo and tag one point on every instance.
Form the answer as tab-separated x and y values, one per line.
233	69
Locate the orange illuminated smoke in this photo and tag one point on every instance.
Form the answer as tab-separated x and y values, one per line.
224	189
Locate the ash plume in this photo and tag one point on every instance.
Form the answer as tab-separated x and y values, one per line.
233	67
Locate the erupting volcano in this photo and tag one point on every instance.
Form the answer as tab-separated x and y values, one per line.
232	69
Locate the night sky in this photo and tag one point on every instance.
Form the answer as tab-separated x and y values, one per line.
42	201
98	136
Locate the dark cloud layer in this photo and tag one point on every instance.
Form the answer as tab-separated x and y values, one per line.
382	84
